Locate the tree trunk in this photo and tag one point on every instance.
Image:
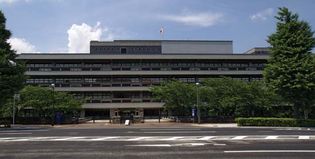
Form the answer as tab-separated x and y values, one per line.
296	113
306	112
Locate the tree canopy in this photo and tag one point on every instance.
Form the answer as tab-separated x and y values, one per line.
290	71
45	100
11	71
220	97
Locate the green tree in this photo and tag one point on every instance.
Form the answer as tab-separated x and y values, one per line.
179	97
44	101
290	71
223	97
11	71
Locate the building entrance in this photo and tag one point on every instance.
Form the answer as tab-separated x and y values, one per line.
126	114
97	113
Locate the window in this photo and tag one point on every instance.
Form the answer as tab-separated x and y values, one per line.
123	50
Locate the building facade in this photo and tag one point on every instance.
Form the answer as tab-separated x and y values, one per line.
114	79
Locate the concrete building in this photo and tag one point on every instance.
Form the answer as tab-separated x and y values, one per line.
115	77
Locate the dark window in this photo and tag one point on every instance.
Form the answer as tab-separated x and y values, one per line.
123	50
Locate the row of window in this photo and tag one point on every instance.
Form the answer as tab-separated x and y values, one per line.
115	97
144	64
151	69
116	82
126	50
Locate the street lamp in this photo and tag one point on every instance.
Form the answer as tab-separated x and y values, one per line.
198	110
53	104
12	62
15	97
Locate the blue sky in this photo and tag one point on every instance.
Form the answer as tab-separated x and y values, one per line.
68	25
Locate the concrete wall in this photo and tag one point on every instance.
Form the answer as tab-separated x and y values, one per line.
197	47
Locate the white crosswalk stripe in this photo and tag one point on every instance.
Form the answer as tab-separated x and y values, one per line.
304	137
239	137
103	138
206	138
139	138
69	138
172	138
156	138
271	137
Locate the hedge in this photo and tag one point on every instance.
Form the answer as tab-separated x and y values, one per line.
291	122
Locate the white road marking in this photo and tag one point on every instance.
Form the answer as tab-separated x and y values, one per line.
21	140
69	138
5	139
40	138
103	138
157	138
139	138
271	151
219	144
304	137
239	137
197	144
176	132
153	145
206	138
176	129
271	137
172	138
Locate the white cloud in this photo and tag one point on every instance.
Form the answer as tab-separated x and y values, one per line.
205	19
79	36
262	15
21	45
12	1
8	1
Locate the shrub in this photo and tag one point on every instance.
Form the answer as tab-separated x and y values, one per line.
290	122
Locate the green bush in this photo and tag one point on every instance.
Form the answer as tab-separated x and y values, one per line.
275	122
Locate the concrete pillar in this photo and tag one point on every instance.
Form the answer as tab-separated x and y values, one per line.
82	113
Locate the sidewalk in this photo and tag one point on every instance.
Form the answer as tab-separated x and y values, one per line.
99	124
151	124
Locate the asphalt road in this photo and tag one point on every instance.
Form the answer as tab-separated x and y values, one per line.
160	142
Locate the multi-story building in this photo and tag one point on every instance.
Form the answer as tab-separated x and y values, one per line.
115	77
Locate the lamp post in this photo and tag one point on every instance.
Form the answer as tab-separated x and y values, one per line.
12	63
15	97
198	110
53	104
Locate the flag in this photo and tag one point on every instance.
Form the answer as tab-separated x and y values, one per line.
161	30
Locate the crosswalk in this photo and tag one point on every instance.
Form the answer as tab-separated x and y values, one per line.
155	138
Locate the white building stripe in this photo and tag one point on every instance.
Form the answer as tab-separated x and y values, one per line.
103	138
206	138
271	137
304	137
139	138
172	138
239	137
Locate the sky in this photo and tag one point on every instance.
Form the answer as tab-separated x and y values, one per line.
67	26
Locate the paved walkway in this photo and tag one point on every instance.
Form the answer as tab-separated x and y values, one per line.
106	124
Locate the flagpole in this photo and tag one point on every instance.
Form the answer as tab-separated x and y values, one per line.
162	33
